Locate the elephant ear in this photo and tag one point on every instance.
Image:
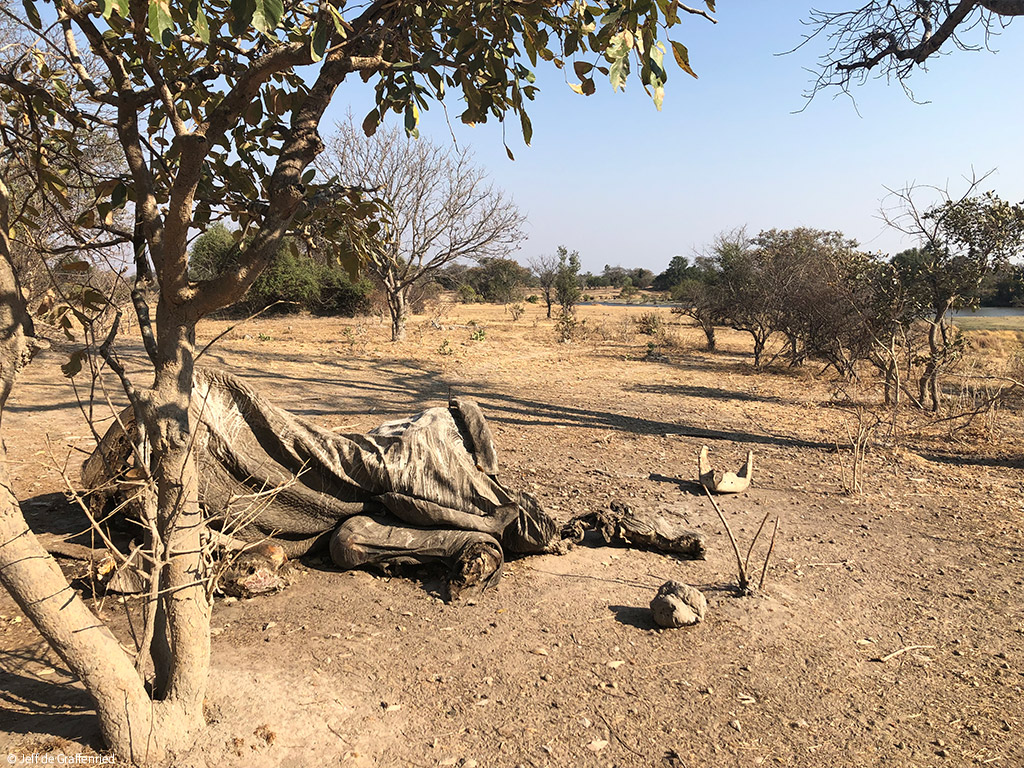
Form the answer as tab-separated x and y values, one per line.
475	432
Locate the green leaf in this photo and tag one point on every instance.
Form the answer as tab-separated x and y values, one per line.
254	113
618	47
93	299
349	259
412	120
267	15
318	43
200	24
107	7
527	127
119	195
87	219
339	21
682	58
589	87
710	4
581	68
617	73
161	25
33	14
242	11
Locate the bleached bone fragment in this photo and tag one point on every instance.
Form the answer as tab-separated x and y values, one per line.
724	482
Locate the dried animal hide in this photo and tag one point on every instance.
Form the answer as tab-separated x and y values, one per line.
416	489
621	525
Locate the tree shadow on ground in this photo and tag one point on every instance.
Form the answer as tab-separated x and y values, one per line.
54	513
713	393
958	460
59	708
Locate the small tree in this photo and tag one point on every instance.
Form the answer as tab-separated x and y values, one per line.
963	240
545	270
567	280
439	207
291	282
747	287
567	292
699	296
499	280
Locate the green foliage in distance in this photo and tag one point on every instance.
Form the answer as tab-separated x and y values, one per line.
294	280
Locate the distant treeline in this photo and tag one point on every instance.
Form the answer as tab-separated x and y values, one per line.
301	281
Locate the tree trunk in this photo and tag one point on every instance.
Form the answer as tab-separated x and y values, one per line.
134	729
709	334
398	308
928	385
181	654
796	357
759	341
549	301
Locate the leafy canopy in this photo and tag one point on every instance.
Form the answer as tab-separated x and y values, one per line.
233	83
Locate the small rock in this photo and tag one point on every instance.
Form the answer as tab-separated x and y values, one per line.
735	725
597	745
539	651
678	605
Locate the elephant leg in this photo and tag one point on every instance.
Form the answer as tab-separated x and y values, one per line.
474	558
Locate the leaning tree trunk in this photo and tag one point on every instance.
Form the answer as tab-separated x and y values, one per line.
133	728
709	333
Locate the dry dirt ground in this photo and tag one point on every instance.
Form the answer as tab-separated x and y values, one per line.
891	631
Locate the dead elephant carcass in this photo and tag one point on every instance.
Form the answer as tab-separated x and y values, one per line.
414	490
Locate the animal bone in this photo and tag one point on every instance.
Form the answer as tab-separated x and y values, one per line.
726	482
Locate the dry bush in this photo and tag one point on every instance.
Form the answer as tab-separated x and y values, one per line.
649	324
625	331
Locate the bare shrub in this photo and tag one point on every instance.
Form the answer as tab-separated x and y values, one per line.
743	564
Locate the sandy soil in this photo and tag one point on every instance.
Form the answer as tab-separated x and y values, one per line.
891	631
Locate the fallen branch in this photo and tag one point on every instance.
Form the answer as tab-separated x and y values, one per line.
894	654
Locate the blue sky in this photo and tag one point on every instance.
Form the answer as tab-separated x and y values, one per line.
610	176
